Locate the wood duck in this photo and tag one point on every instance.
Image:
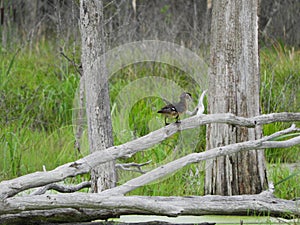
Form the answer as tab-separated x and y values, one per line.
175	110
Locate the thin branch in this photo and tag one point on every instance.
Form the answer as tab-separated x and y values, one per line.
77	67
11	187
282	132
62	188
127	166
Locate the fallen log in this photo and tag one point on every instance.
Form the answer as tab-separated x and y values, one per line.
87	207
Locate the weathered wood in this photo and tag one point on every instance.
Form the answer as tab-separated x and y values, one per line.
96	89
61	188
234	83
175	165
9	188
137	167
83	206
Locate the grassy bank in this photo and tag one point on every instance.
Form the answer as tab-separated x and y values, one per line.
37	89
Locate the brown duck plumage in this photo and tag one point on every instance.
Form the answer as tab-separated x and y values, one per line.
175	110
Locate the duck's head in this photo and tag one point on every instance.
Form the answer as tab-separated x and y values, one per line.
186	96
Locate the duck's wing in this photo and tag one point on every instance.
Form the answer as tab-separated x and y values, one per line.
168	109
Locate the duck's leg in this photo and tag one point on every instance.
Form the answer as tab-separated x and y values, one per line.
166	121
177	119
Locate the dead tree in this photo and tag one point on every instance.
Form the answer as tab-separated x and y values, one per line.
234	83
96	86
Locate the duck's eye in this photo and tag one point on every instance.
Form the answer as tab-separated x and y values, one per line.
173	109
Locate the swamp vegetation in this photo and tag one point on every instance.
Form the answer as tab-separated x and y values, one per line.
37	91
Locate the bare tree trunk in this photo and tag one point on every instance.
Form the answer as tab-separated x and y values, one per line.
234	87
97	95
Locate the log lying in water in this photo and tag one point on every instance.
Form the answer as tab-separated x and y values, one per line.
60	207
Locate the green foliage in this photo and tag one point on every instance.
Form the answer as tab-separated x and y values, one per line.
280	92
280	69
37	91
286	180
24	150
188	181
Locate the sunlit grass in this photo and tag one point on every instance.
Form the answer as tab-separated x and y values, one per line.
24	150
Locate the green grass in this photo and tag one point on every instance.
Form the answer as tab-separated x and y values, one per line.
36	92
280	92
280	70
286	180
24	150
37	88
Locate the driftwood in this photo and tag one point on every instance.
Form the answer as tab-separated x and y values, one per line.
85	207
61	188
137	166
111	203
175	165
